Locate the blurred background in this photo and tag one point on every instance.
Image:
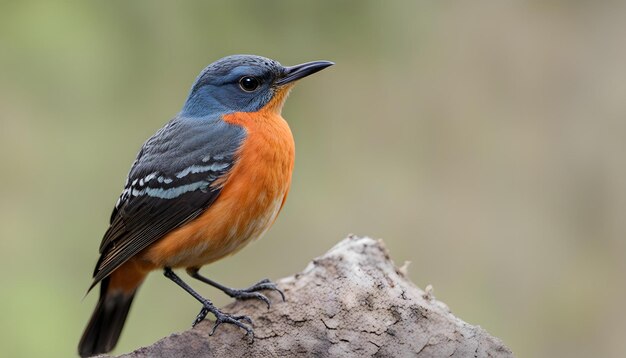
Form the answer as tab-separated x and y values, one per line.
484	141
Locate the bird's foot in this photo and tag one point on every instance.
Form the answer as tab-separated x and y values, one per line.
221	317
243	294
252	292
207	306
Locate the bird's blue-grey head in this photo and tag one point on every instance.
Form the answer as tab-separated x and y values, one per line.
242	83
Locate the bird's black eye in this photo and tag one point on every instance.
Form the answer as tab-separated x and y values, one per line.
249	83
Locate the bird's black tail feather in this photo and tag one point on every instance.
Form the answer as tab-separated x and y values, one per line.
106	323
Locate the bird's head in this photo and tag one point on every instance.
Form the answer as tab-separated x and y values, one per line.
244	83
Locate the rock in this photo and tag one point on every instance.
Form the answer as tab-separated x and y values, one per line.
350	302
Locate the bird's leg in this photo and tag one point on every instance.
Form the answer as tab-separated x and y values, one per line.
207	306
246	293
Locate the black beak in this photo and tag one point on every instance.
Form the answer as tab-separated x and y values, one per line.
297	72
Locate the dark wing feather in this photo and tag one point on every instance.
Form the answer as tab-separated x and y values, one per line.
169	184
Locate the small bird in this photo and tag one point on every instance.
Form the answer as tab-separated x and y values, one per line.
207	183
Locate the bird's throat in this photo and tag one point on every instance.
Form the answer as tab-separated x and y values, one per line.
275	105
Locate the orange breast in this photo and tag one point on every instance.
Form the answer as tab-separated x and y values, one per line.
251	197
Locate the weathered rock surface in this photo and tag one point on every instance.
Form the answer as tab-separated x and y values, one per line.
350	302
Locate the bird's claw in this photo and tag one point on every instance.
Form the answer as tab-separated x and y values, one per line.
236	320
221	317
200	317
251	292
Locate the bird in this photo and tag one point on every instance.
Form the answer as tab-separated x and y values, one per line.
211	180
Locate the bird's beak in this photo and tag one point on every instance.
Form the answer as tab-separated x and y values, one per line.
297	72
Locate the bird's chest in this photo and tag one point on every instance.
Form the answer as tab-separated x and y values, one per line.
259	184
254	192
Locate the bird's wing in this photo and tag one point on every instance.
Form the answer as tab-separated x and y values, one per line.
172	181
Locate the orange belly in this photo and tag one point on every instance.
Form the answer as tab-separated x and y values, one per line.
251	198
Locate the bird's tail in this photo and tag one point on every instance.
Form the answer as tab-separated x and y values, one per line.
106	323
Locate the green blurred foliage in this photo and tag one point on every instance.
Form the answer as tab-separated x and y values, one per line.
484	141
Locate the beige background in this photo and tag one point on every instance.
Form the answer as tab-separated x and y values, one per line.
484	141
